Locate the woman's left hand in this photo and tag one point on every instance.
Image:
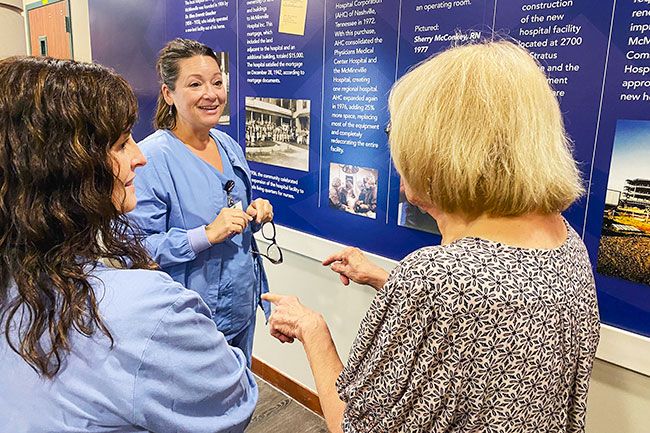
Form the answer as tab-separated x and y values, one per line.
291	319
261	210
352	264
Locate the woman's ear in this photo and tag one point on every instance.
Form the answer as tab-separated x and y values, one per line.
421	202
167	94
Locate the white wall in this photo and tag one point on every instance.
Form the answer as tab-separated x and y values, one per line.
80	30
320	289
12	31
619	399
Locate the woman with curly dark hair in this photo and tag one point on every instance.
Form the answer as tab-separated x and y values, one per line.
94	339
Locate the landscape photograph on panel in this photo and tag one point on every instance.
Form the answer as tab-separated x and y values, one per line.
353	189
411	216
624	249
277	132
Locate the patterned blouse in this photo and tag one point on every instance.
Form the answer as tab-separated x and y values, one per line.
476	336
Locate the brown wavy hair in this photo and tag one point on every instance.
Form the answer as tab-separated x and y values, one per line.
168	71
58	121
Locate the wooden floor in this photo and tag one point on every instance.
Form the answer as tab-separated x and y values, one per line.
278	413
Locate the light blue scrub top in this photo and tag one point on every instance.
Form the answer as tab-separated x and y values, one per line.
169	370
178	195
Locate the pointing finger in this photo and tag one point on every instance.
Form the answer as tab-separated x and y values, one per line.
273	298
333	258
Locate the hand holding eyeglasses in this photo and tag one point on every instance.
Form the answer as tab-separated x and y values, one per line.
261	210
229	222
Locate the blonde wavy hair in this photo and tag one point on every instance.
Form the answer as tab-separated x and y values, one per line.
478	130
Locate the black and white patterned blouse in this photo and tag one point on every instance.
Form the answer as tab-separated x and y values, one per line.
479	337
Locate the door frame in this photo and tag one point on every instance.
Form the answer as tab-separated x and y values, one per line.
41	3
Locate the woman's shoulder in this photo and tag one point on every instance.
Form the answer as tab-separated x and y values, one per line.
418	272
228	142
434	269
223	137
436	256
138	281
162	153
129	293
159	143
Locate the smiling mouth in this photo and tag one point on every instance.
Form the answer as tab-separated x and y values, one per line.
209	107
129	183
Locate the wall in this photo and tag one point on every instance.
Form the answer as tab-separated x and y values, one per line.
13	32
619	399
80	29
318	288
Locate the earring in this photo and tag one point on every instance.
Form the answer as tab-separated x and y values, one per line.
171	110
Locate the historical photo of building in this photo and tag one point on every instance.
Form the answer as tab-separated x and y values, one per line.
277	132
353	189
624	249
411	216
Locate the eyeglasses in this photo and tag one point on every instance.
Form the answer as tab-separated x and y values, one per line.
273	251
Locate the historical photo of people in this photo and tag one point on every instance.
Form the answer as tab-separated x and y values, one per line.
624	249
411	216
353	189
277	132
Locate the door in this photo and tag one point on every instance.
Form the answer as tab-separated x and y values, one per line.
50	29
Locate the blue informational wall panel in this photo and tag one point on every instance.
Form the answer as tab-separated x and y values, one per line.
308	83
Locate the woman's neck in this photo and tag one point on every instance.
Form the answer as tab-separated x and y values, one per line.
198	138
532	230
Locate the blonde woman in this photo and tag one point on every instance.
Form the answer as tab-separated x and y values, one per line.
496	328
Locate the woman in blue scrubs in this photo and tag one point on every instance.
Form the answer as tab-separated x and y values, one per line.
92	338
195	206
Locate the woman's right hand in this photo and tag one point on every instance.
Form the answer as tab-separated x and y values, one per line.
290	319
352	264
229	222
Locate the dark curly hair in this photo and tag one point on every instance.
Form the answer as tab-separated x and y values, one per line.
58	121
168	71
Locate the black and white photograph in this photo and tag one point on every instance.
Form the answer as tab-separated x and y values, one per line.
277	132
353	189
624	249
411	216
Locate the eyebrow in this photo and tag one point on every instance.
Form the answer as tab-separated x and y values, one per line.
219	74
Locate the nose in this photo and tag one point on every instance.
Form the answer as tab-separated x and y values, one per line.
213	93
137	157
210	92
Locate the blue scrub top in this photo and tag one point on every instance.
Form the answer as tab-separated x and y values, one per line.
178	195
169	369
